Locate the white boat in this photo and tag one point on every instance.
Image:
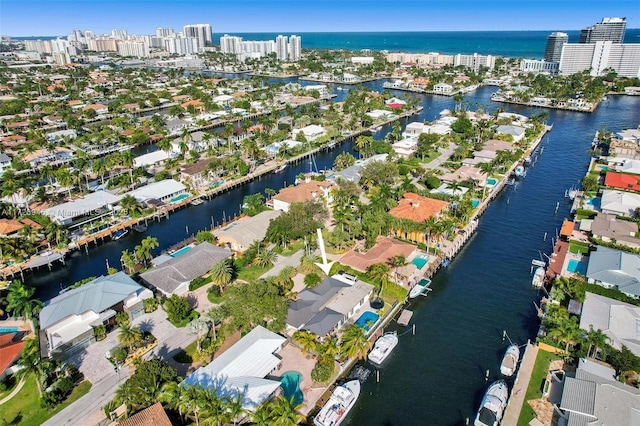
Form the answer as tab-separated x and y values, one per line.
419	288
538	277
510	360
527	160
280	169
493	404
383	347
520	172
341	401
120	233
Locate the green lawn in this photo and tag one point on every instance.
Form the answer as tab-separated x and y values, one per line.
10	383
291	248
186	356
252	273
24	408
578	247
534	391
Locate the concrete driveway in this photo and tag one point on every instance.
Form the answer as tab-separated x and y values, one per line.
282	261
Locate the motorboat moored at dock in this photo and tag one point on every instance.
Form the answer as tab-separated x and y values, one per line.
510	359
339	404
493	404
383	348
420	288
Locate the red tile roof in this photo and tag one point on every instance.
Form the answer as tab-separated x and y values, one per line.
417	208
153	415
622	181
9	354
567	228
306	191
385	249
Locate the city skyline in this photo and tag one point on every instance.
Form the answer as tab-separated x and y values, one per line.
23	18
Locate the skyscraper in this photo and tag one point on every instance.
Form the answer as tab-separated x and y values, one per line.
295	48
553	51
200	31
610	29
281	47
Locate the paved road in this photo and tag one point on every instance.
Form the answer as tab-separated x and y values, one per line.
282	261
88	409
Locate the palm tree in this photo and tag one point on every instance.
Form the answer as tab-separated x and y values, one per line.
129	335
148	244
355	343
306	339
379	274
430	225
19	301
128	261
284	412
566	332
222	272
29	233
330	347
395	262
597	340
264	258
234	407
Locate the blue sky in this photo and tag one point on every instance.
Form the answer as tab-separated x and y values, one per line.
53	17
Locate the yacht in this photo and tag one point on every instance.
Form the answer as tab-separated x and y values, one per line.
339	404
383	348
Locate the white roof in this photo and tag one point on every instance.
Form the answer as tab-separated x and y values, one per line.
150	158
623	203
222	98
242	368
157	190
88	203
377	113
311	130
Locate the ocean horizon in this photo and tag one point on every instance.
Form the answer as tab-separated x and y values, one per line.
513	44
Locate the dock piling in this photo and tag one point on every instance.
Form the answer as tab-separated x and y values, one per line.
486	376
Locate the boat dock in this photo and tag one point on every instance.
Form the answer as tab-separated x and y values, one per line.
405	317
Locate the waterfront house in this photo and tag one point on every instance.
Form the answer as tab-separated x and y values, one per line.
152	158
625	165
624	148
174	274
67	320
274	148
611	268
98	108
61	135
609	229
197	174
240	234
406	147
619	203
306	191
352	173
617	320
328	307
442	88
11	227
223	100
164	191
310	132
88	208
416	208
465	173
175	125
241	369
592	396
624	181
516	132
395	103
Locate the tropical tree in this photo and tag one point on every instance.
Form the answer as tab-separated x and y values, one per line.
396	262
597	340
282	411
20	301
306	339
565	332
129	335
222	273
379	274
354	342
264	258
199	327
30	362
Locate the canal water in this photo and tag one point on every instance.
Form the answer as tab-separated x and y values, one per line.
437	376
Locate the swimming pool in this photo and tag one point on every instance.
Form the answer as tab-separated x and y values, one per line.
491	181
475	203
420	261
179	197
367	319
8	330
183	250
576	266
290	384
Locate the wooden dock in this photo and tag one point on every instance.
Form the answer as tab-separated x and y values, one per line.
405	317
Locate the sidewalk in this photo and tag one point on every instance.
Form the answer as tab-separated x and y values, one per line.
519	391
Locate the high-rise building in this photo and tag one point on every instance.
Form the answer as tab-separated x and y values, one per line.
553	51
200	31
230	44
182	45
610	29
295	48
601	56
135	48
119	34
281	48
164	32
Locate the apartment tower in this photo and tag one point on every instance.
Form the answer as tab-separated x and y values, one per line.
555	42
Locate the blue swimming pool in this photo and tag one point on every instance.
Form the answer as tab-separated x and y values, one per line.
475	203
8	330
577	266
290	384
179	198
491	181
183	250
420	261
367	320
